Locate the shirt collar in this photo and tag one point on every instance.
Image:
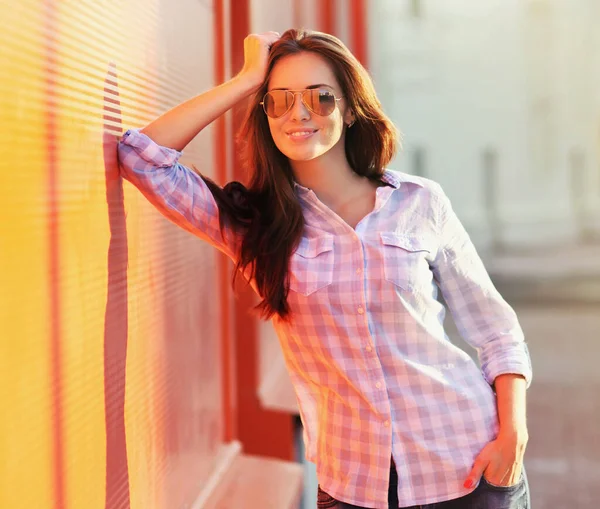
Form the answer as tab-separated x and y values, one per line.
396	178
300	189
391	177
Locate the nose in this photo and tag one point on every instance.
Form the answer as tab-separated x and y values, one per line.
299	110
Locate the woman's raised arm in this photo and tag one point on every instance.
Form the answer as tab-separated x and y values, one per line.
180	125
149	157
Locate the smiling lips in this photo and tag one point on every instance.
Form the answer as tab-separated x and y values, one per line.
301	134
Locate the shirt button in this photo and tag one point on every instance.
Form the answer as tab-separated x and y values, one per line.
378	385
359	271
386	424
361	311
368	348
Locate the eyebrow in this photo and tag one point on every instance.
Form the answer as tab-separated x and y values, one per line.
318	85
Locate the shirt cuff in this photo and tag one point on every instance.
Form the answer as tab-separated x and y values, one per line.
149	150
515	359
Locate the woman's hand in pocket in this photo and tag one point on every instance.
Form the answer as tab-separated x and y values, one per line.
500	461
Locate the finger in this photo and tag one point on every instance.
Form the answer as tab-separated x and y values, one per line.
476	472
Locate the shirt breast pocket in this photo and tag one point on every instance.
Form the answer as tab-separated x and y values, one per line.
405	260
311	265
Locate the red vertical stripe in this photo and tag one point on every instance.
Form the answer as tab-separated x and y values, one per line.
239	28
327	10
223	264
244	354
261	432
358	31
53	233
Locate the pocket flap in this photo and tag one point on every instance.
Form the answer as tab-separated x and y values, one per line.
314	246
408	243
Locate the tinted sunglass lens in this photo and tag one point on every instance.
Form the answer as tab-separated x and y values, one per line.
319	101
278	102
275	103
325	101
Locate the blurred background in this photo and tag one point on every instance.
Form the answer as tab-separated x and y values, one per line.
131	376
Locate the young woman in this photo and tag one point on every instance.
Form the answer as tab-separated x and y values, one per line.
347	257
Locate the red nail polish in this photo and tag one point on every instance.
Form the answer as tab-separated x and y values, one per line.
468	483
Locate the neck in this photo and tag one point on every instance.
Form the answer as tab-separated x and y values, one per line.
329	176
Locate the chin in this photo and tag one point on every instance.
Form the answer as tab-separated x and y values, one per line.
301	155
299	158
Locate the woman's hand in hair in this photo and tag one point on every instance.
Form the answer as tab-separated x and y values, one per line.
256	57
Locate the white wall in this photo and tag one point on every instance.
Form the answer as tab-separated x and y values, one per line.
512	75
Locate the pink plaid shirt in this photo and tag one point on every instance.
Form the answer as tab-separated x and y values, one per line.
374	372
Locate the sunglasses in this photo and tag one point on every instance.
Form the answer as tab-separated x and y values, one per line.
321	101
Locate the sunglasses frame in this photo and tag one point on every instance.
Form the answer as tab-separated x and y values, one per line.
301	92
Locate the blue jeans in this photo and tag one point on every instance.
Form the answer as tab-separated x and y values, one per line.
485	496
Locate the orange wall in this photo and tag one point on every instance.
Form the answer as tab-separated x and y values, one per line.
26	432
110	377
124	363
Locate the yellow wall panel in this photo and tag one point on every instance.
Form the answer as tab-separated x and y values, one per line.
144	406
94	306
26	426
109	320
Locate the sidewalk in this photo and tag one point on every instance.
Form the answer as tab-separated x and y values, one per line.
567	274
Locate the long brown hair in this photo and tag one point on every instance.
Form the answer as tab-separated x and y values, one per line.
267	213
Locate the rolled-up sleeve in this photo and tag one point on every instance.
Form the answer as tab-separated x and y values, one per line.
179	193
484	319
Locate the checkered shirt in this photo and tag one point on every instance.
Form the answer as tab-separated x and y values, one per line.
374	373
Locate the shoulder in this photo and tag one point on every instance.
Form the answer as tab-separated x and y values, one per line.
428	193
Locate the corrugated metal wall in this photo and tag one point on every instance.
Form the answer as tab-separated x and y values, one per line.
128	375
109	319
